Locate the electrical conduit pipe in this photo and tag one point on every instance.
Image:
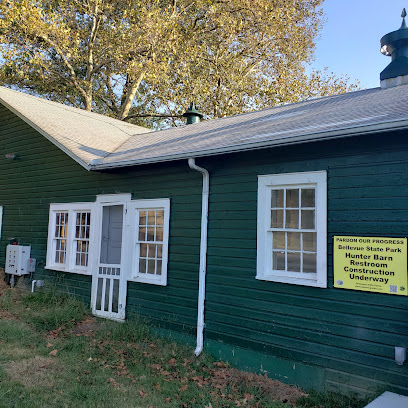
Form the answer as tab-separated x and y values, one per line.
203	255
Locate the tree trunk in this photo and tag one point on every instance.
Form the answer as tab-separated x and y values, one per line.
130	94
88	101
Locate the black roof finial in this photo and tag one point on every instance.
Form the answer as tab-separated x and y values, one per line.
403	15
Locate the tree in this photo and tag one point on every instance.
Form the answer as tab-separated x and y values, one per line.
152	57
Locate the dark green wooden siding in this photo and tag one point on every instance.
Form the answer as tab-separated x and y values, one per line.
43	174
350	336
345	331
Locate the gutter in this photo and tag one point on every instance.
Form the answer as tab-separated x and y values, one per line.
203	254
282	141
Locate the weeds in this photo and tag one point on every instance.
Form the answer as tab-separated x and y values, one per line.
55	354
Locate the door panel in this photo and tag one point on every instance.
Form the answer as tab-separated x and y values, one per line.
109	284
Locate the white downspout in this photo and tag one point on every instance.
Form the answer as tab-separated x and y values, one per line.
203	255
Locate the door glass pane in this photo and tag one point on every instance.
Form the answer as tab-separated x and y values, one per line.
111	240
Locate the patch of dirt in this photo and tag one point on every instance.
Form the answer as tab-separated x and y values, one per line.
275	389
85	327
34	372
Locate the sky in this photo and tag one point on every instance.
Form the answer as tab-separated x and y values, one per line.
350	40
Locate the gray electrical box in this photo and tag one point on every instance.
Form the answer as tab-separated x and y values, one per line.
31	265
17	259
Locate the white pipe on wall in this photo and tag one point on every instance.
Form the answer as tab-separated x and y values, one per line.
203	254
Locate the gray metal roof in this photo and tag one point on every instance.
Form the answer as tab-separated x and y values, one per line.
83	135
87	136
367	111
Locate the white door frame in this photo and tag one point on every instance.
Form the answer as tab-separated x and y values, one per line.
101	202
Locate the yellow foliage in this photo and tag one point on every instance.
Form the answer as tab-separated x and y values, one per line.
123	57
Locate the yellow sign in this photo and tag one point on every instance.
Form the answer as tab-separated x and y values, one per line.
373	264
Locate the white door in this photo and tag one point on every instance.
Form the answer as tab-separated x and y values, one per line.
109	284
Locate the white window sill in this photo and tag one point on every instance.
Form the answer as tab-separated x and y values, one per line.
64	269
293	281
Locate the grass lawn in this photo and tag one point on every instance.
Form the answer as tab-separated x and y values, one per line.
53	353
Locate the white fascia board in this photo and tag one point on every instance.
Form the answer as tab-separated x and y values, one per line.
46	135
284	141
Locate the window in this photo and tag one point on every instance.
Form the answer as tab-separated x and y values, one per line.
151	235
292	218
69	235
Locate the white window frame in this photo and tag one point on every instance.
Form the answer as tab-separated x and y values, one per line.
70	260
266	183
133	211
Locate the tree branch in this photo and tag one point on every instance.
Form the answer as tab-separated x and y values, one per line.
147	115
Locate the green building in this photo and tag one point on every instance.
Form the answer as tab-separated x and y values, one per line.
226	230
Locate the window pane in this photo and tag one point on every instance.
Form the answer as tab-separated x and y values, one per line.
278	240
159	267
278	261
276	218
151	266
151	219
309	263
294	241
142	234
151	251
142	218
143	250
160	217
150	234
142	265
294	261
308	197
308	219
159	234
292	219
277	198
309	241
160	251
292	198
